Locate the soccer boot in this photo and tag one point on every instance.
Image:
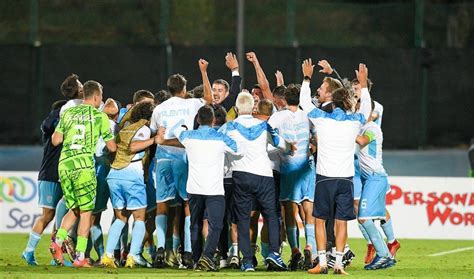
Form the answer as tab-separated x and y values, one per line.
318	269
275	260
308	259
370	254
29	258
393	247
234	262
380	263
81	263
207	264
108	262
187	260
340	271
172	259
295	261
159	261
247	267
57	253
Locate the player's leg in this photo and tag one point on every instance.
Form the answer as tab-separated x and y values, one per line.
215	206
197	207
180	175
121	220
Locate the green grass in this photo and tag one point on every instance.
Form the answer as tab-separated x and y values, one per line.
413	261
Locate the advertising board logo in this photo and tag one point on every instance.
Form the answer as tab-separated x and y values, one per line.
17	189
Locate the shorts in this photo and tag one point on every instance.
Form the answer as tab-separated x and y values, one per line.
49	194
372	202
356	180
102	168
334	198
79	188
170	177
256	206
298	185
127	189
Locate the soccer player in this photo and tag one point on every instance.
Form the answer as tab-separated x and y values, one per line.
49	189
138	97
127	185
72	89
79	130
336	132
171	161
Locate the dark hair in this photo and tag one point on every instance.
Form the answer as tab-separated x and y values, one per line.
342	99
279	91
292	95
223	82
58	104
220	115
205	115
176	84
142	94
198	91
369	83
91	87
256	86
161	96
265	107
141	111
69	87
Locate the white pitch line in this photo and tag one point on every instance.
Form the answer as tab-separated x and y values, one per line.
451	251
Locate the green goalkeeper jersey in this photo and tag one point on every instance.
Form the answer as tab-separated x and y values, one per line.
81	127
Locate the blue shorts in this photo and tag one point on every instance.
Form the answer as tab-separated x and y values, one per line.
372	200
102	168
49	194
356	180
334	198
298	185
170	177
127	189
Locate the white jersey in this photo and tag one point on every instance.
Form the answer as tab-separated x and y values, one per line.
294	127
378	109
71	103
100	149
370	157
172	114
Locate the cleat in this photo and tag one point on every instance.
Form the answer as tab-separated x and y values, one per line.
108	262
234	262
206	264
308	259
172	258
130	262
347	258
187	260
142	262
247	267
393	247
57	253
275	260
318	269
29	258
159	261
296	258
369	257
69	247
380	263
81	263
340	271
223	263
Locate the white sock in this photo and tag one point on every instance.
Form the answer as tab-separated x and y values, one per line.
338	259
322	258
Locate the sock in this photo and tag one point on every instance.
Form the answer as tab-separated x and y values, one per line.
61	235
176	242
61	210
234	250
292	237
311	239
138	233
169	243
187	234
377	240
114	236
338	259
322	258
161	226
364	233
388	230
97	239
265	249
32	242
81	247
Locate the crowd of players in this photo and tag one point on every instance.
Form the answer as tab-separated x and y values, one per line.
198	168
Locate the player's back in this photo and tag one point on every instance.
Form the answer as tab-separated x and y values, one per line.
370	157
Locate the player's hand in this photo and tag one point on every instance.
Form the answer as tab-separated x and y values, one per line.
251	57
326	67
307	67
160	136
203	65
279	78
362	75
231	61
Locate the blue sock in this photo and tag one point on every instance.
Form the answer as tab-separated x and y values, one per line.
114	236
388	230
161	226
176	242
364	233
61	210
292	237
138	233
311	239
97	239
187	234
377	240
265	249
32	242
169	243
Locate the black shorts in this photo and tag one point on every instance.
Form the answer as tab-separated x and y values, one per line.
257	207
334	198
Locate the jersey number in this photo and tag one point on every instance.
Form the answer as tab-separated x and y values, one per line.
81	132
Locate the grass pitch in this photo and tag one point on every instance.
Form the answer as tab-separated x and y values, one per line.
413	262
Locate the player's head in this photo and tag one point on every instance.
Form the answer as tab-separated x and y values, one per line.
220	115
143	96
343	99
198	91
177	85
111	108
279	96
244	103
93	93
257	92
72	88
327	88
161	96
292	95
205	116
357	88
220	90
265	108
142	110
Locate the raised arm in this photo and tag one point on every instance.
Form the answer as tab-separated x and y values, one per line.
305	92
233	64
279	78
362	75
261	78
205	81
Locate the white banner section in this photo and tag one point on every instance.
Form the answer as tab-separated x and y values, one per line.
421	207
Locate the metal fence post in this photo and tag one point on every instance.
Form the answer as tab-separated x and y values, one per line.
420	45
